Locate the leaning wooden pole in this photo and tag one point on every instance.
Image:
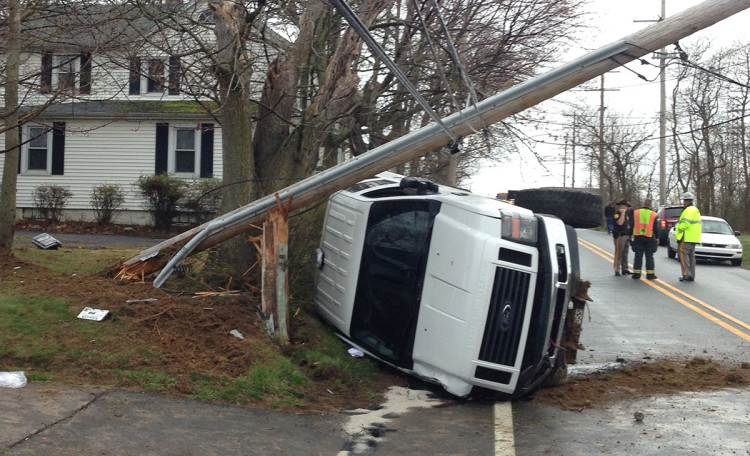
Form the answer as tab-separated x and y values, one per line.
418	143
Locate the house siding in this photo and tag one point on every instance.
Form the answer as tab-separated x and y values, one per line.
95	154
116	146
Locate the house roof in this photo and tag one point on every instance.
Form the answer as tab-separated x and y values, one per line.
72	26
128	110
69	26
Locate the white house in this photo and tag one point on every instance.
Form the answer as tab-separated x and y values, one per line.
108	106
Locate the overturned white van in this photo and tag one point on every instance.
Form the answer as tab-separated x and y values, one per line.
458	289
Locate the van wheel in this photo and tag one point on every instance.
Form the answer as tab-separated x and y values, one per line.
671	253
558	376
736	262
574	207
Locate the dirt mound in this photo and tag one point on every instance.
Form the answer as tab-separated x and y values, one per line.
642	380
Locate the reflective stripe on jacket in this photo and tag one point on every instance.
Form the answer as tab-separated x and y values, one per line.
689	226
643	222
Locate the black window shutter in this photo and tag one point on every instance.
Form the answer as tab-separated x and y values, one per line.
86	73
207	150
19	141
174	75
46	78
162	148
135	76
58	148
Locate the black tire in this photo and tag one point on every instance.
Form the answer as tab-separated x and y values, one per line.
671	253
558	376
736	262
663	239
574	207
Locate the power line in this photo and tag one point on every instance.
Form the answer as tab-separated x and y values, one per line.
649	138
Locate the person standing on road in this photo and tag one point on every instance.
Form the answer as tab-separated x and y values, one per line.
688	234
609	214
644	240
621	232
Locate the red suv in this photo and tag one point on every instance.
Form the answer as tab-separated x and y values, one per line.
668	217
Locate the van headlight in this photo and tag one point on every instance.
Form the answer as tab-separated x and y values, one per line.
518	227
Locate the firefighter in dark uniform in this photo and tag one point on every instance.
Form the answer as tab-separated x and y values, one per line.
644	240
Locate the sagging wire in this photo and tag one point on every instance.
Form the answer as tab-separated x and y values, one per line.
683	59
351	17
461	71
431	45
649	138
643	62
455	145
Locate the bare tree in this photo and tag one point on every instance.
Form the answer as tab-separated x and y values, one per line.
738	110
628	153
700	107
12	129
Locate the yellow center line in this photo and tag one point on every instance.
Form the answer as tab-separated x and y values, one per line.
609	256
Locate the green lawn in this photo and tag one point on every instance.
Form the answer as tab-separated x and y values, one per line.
41	335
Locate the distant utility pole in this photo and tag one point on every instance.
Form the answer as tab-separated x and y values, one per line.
663	118
565	162
602	191
572	151
662	113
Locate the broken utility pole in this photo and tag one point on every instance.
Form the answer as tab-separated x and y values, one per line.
274	277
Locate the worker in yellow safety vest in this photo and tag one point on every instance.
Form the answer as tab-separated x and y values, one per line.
644	240
688	234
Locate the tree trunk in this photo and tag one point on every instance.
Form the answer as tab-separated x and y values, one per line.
13	132
233	74
291	148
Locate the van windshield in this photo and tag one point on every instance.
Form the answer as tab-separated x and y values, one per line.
394	258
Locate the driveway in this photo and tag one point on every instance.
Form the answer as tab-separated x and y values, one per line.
92	241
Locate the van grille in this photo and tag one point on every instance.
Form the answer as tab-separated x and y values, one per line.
502	332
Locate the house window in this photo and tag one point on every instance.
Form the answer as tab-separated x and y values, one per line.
184	151
66	68
155	75
38	156
66	73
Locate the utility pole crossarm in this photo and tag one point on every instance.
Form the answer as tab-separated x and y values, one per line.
489	111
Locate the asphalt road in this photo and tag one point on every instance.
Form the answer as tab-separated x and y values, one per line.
630	320
627	320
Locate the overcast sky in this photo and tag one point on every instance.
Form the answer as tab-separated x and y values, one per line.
626	94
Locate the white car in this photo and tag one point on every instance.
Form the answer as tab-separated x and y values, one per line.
718	242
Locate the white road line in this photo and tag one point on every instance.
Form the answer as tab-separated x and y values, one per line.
504	443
